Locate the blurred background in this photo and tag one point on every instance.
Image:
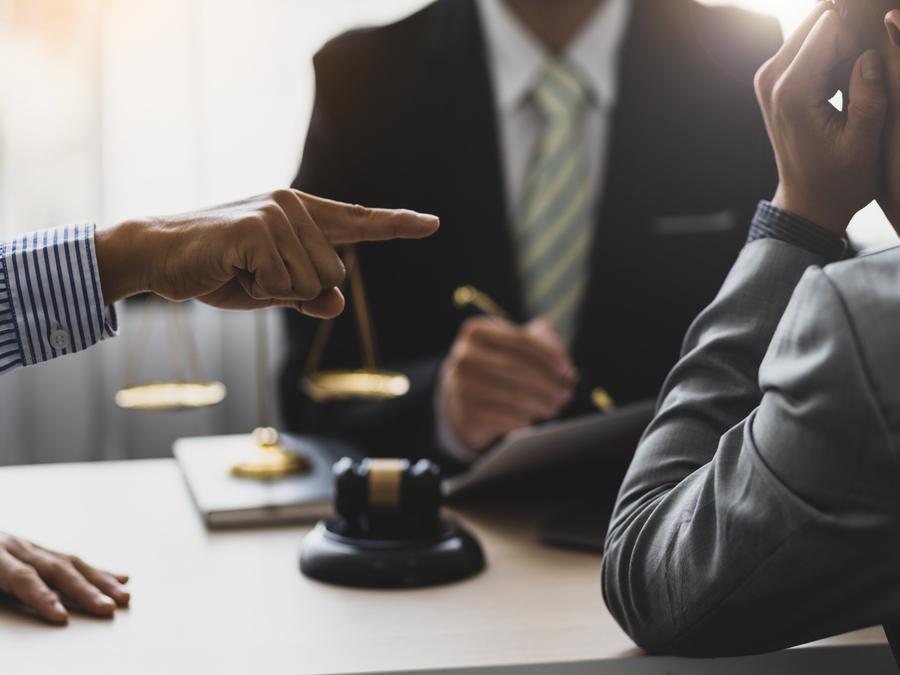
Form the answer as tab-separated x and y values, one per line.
117	108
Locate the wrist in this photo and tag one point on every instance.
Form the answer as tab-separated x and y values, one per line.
124	259
812	211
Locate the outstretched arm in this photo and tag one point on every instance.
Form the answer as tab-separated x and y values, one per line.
57	287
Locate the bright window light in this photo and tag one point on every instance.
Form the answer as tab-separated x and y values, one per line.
789	12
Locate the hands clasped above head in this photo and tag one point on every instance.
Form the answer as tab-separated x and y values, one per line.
49	582
829	162
276	249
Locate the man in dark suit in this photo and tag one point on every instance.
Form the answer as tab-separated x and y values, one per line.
425	113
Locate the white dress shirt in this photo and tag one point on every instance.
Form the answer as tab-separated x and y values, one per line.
515	61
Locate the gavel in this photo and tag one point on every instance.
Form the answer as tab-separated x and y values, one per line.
388	531
387	498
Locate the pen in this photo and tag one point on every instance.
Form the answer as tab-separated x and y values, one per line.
469	297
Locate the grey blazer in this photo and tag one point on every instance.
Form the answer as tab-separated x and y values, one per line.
762	509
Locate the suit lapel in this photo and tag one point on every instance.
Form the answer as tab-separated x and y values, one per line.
644	125
463	128
621	167
472	184
893	634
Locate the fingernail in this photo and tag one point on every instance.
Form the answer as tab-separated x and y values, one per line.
894	32
59	613
871	66
430	217
104	600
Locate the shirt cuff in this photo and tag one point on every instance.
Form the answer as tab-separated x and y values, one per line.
447	440
771	222
51	300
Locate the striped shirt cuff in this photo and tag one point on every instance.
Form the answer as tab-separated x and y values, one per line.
51	301
771	222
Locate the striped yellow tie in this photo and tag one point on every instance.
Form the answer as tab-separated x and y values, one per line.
555	227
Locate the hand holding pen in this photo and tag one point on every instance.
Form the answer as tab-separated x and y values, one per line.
469	297
500	377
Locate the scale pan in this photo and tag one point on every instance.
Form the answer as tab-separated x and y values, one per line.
348	385
171	396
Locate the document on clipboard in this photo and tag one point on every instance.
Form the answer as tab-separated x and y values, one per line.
554	443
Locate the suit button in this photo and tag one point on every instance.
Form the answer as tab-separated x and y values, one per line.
59	338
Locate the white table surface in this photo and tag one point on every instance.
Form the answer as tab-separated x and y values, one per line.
235	602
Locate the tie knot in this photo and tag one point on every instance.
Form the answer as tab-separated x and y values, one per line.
559	92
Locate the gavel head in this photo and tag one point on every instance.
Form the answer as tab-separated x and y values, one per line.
389	498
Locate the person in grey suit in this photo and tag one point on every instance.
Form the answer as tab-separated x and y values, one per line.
762	508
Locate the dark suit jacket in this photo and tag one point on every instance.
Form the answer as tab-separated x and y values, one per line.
404	117
892	630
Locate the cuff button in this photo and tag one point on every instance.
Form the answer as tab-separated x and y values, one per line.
59	339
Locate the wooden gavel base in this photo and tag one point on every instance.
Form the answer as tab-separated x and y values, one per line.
452	555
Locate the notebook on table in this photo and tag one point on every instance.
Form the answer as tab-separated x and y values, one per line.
224	500
556	443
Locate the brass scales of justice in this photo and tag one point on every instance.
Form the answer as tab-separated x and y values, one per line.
266	458
369	383
188	389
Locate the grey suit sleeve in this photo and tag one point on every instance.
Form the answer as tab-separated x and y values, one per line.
742	529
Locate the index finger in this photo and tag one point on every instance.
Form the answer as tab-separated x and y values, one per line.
351	223
826	48
788	52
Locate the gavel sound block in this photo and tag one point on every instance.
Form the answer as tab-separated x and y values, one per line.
388	531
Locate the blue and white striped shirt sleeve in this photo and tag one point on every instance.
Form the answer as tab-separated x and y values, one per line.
51	301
